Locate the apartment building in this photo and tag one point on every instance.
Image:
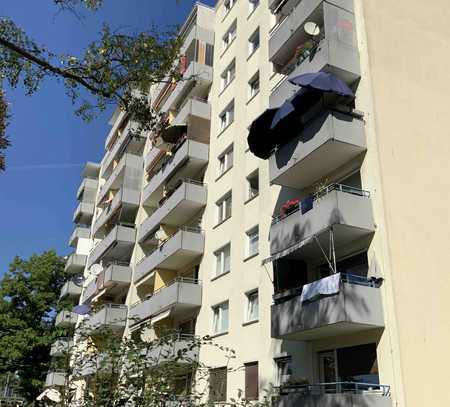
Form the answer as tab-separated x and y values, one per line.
307	261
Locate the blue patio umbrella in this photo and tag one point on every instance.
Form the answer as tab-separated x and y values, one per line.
324	82
82	309
300	102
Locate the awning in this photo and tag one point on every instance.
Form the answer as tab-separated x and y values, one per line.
289	250
172	134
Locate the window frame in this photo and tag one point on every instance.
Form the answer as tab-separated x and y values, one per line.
218	319
248	306
247	396
229	36
222	207
251	40
226	117
288	362
227	158
219	256
252	232
251	92
249	194
252	6
225	78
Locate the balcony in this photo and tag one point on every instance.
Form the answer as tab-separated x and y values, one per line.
55	378
127	173
112	281
336	52
123	206
61	347
66	319
75	263
116	246
70	289
342	394
88	186
179	297
79	232
176	252
356	307
197	78
345	210
186	201
129	141
330	140
110	316
186	162
83	213
193	108
174	348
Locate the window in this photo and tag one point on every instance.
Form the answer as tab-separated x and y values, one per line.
228	5
253	241
253	42
220	318
253	185
222	260
253	85
224	208
218	384
228	75
252	5
283	370
252	313
226	160
251	381
227	116
229	36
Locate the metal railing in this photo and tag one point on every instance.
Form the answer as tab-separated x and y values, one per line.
188	280
336	388
177	187
320	194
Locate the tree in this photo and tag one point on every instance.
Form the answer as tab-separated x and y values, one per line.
29	294
104	369
117	69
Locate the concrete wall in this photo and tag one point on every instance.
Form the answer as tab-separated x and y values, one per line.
404	90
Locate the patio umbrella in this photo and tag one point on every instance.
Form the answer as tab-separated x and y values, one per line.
82	309
322	81
298	104
260	138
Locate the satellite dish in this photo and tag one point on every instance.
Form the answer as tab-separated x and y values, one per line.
96	269
311	29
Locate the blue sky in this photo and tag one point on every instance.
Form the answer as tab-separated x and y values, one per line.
49	143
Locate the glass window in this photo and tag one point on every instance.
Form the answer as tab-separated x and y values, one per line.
283	370
253	185
226	160
252	5
224	208
229	36
252	306
222	260
253	42
227	116
228	75
218	384
253	241
220	318
228	5
253	85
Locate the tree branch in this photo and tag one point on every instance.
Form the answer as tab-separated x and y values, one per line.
46	66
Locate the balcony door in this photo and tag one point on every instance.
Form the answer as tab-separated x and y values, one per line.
328	367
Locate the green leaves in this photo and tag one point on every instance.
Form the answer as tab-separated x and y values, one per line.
29	294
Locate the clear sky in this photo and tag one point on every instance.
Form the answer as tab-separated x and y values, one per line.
49	143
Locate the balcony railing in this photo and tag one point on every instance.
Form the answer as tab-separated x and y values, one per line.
66	319
344	211
332	138
337	394
174	253
355	307
83	213
80	232
180	295
75	263
117	245
189	157
110	316
71	289
180	348
177	208
56	378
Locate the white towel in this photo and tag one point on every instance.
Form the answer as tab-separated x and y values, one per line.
325	286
